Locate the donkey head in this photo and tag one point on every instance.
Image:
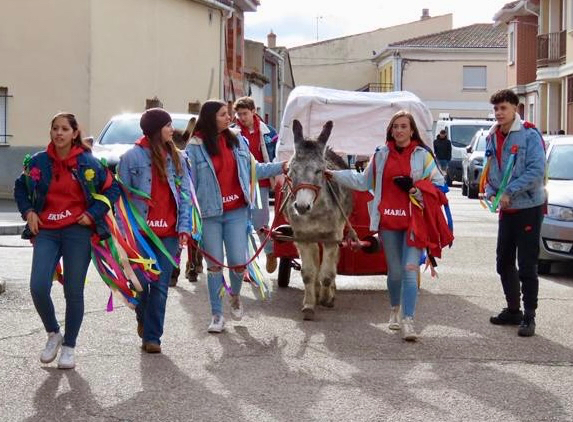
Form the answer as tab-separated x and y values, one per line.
307	166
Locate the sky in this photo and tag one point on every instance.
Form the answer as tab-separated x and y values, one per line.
298	22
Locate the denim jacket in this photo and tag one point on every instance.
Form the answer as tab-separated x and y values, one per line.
134	170
525	187
205	178
35	200
422	166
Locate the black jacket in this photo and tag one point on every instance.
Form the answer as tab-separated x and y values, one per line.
443	149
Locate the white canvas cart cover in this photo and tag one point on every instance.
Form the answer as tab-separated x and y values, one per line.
360	118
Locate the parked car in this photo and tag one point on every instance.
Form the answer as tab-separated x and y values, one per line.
121	132
472	164
460	133
556	242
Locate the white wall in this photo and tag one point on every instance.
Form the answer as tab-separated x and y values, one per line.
146	48
437	78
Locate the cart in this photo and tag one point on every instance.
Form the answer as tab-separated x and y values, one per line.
360	122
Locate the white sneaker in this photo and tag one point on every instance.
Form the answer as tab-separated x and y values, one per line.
407	328
217	324
52	346
67	360
236	307
394	321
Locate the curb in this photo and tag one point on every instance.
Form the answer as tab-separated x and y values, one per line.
12	230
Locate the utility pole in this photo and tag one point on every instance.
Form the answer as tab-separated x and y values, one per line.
317	19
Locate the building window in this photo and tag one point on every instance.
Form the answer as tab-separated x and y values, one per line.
511	47
531	113
475	77
4	116
153	103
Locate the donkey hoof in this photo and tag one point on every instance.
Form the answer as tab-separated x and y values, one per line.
308	314
327	303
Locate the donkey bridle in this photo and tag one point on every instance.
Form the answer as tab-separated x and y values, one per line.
295	189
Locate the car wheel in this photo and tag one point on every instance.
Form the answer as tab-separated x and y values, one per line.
464	189
543	266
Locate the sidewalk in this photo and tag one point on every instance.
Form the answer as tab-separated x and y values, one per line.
10	221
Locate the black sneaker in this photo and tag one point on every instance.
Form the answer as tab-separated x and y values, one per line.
507	317
527	326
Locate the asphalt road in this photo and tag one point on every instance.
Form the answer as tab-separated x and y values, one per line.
272	366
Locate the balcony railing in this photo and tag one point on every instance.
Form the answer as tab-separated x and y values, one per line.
376	87
551	49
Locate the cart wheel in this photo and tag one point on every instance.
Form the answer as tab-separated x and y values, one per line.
284	272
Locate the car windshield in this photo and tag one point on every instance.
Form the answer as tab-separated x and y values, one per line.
560	163
461	135
127	131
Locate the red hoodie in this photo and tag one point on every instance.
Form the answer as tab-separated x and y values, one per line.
65	200
162	214
255	146
227	173
394	206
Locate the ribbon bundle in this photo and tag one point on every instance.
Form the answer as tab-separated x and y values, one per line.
507	172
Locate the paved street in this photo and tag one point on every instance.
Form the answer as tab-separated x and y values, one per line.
272	366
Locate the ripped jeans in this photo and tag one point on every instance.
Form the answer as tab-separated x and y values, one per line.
403	263
228	230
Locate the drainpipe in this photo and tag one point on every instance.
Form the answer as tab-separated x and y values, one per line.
226	14
398	71
281	83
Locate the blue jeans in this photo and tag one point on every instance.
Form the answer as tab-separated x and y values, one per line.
153	298
230	230
261	219
71	243
444	165
403	263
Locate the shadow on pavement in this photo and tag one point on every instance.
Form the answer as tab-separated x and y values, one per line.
305	370
75	404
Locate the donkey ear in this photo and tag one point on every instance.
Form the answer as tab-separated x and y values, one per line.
325	134
297	131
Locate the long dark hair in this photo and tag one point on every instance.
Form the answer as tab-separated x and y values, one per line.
77	141
207	126
157	146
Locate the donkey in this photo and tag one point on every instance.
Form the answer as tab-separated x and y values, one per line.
315	215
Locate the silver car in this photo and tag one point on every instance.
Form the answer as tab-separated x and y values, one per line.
472	164
557	227
121	132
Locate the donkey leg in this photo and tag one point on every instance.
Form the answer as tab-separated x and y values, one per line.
309	257
327	275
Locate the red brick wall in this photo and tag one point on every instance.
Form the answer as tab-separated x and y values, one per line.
526	51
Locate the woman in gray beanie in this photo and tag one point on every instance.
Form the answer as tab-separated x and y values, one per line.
156	167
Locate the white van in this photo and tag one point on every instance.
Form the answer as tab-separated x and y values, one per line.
460	132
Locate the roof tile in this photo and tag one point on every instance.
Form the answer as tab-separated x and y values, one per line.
479	35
